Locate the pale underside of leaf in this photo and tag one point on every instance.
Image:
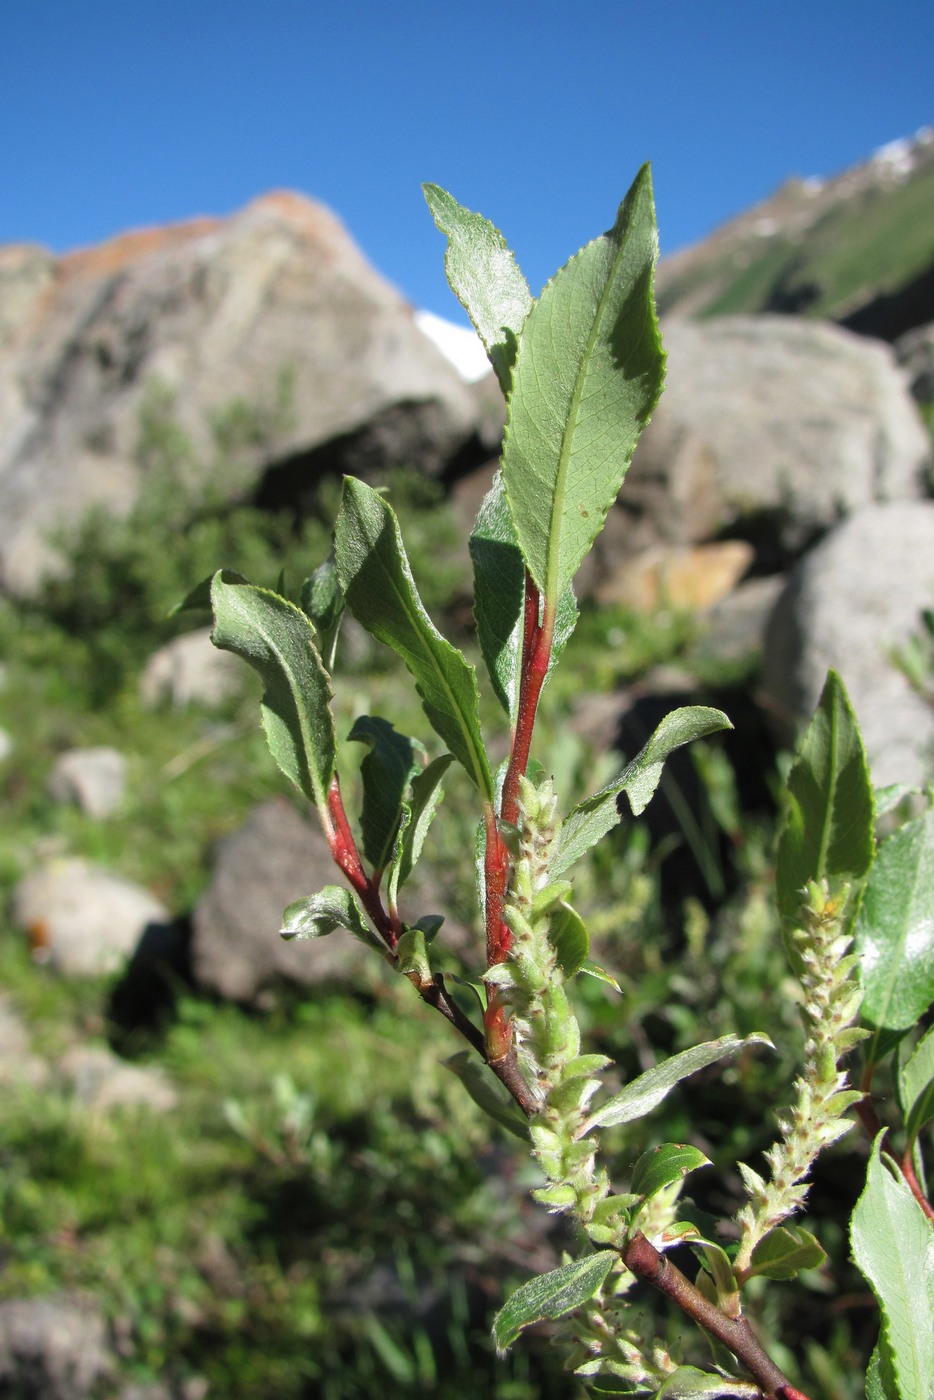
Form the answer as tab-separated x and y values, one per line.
277	639
483	275
551	1296
499	599
374	572
646	1092
639	779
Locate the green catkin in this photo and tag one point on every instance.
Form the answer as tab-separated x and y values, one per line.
829	978
546	1029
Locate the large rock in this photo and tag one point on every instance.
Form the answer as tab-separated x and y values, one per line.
53	1348
851	603
93	779
191	670
216	311
773	429
275	858
84	921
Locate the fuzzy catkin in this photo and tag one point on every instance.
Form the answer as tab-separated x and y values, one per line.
829	979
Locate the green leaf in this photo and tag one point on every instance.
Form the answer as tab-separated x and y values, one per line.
887	798
893	1245
551	1295
277	640
828	832
377	581
880	1382
895	928
385	773
639	779
488	1093
719	1266
483	275
412	956
662	1165
587	377
198	600
323	601
649	1089
785	1252
916	1086
569	938
593	969
331	908
499	598
426	794
688	1383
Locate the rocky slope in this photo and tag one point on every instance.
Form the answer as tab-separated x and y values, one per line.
857	248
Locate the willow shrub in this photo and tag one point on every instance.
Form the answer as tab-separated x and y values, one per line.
582	368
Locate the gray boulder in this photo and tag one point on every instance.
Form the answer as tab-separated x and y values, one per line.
101	1081
83	921
915	353
275	858
218	312
18	1065
191	670
93	779
851	604
52	1348
775	428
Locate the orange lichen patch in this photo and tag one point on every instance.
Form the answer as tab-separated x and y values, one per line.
115	253
315	221
40	939
691	579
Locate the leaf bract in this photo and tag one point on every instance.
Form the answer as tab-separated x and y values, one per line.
485	278
828	832
331	908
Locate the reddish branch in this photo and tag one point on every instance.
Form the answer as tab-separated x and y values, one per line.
536	652
340	838
434	992
644	1260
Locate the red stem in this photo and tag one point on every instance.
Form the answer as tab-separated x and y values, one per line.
536	654
536	651
344	850
908	1172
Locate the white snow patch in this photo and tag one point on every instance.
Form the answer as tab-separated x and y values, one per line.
896	156
462	346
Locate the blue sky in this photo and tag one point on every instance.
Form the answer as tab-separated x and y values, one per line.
122	113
